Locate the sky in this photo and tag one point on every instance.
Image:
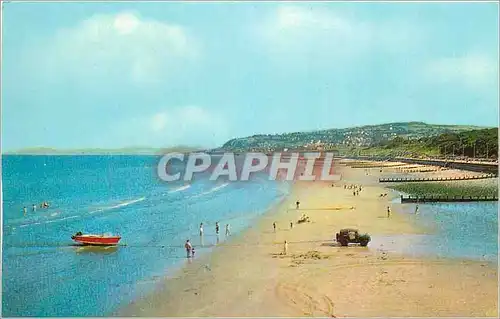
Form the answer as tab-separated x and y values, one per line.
161	74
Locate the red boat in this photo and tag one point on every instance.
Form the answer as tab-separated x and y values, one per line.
98	240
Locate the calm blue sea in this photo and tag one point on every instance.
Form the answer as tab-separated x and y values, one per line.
44	274
457	230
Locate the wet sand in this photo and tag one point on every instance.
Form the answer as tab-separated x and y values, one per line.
249	276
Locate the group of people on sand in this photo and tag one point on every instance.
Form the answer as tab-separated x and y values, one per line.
303	219
355	189
33	207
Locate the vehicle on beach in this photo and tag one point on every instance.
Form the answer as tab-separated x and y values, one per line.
96	240
350	235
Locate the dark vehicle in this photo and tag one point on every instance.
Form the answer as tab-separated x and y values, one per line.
350	235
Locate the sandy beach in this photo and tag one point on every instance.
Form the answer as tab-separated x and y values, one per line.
249	276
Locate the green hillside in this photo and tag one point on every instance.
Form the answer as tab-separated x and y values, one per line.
345	138
475	143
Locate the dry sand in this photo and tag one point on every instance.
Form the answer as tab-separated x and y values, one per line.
248	276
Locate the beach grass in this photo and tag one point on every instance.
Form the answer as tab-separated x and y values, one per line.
447	189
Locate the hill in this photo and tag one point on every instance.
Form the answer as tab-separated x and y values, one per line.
344	138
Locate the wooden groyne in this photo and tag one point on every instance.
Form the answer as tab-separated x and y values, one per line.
483	167
379	166
432	198
424	170
408	166
433	179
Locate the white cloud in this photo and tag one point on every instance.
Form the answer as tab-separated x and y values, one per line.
191	125
473	70
324	32
290	17
122	46
158	122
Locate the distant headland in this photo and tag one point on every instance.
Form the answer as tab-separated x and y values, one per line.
410	138
102	151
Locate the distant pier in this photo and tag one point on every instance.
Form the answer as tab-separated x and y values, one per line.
432	198
433	179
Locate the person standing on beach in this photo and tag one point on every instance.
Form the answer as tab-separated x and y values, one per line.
201	230
416	209
188	247
388	212
34	208
285	248
291	225
25	210
217	228
274	226
227	230
297	205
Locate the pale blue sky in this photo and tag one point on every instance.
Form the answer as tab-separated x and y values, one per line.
161	74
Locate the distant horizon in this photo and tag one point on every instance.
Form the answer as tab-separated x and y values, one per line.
194	147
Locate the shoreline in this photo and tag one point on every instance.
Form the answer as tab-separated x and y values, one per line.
203	258
247	276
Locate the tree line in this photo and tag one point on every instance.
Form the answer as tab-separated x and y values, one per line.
476	143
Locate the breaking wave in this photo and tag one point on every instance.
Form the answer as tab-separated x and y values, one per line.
179	189
212	190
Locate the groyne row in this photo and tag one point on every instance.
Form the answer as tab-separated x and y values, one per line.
440	198
433	179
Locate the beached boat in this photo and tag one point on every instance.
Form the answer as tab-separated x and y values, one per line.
97	240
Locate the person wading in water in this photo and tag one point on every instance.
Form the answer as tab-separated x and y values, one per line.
189	248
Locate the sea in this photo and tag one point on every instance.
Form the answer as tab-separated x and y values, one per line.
45	274
465	231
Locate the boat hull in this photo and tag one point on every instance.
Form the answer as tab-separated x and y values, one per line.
97	240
